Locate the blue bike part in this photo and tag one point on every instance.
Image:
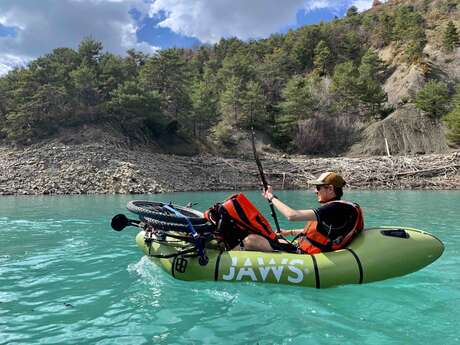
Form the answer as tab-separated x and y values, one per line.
203	260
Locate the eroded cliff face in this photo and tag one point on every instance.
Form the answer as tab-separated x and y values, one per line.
404	84
445	66
407	131
405	80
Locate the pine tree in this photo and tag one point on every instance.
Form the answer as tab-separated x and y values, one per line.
352	11
253	105
371	94
298	99
451	39
90	51
239	65
323	58
55	68
85	85
303	44
4	100
113	72
131	104
230	102
167	73
409	30
350	46
298	104
38	109
433	98
452	119
205	103
273	73
384	29
345	86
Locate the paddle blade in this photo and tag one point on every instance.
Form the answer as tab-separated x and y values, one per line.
119	222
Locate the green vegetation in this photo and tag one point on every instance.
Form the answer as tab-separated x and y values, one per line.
352	11
322	58
409	31
452	119
298	104
433	98
311	82
451	39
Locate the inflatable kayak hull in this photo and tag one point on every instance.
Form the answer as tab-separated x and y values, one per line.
376	254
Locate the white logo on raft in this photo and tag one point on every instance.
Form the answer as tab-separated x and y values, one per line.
295	274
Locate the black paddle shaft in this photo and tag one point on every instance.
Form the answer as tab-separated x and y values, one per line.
264	180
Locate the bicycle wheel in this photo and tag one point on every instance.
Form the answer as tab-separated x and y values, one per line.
183	228
157	211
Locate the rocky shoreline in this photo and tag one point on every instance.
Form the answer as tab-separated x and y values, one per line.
100	169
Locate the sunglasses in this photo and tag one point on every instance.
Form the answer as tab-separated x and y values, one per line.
318	186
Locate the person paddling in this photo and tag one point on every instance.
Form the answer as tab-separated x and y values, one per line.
329	227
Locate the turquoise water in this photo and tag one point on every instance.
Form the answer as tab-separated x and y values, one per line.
67	278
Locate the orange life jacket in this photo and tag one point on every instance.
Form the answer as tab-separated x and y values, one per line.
315	242
236	218
247	215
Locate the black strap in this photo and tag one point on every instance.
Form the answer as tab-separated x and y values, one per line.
259	220
245	219
358	262
216	271
239	210
322	247
287	247
315	265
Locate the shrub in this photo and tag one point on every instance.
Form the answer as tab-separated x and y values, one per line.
450	40
452	120
433	99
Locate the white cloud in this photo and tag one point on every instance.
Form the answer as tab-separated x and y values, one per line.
314	5
362	5
209	20
44	25
8	62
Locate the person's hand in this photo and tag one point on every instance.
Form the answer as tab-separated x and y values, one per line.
268	194
285	233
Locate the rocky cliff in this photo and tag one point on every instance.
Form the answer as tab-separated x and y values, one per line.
406	129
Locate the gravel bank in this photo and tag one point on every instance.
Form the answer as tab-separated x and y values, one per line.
101	169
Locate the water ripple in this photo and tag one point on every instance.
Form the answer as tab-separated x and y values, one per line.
68	279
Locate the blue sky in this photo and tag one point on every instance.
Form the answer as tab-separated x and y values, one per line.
29	29
7	31
149	32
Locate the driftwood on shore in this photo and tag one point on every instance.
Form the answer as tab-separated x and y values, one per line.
98	169
433	171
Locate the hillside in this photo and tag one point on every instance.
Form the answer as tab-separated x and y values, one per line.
406	128
340	88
